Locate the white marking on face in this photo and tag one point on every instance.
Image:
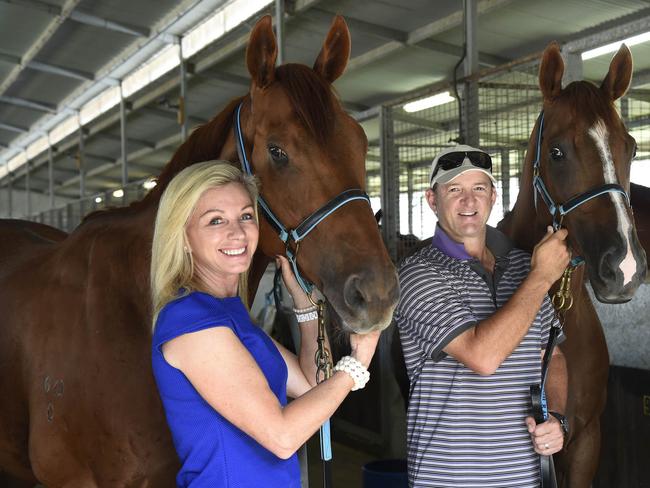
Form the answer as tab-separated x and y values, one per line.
599	134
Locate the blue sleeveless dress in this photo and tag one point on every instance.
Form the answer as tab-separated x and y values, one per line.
213	452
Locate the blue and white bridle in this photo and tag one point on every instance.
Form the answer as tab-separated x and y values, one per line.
559	211
308	224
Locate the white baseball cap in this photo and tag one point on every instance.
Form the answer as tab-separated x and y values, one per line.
457	160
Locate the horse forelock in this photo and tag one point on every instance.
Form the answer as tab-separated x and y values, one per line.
587	102
312	99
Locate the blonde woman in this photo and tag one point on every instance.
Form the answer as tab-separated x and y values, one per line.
223	382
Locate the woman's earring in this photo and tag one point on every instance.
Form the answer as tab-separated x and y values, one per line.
186	249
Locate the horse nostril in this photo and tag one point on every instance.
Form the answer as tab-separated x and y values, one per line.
608	266
353	294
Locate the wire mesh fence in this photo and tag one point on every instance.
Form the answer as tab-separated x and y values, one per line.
70	215
509	102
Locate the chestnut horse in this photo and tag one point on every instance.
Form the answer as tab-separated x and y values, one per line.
583	146
79	406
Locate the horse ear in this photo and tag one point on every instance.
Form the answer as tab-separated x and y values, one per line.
619	75
334	55
551	71
261	53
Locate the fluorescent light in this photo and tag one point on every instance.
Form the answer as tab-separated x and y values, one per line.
118	193
37	147
435	100
98	199
149	184
64	129
614	46
220	23
165	60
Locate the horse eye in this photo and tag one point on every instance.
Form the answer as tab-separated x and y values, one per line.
556	154
278	155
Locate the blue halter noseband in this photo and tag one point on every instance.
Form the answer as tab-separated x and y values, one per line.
559	211
307	225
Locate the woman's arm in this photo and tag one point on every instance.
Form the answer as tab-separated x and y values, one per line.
228	378
308	335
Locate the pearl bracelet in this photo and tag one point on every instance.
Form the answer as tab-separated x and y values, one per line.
355	369
310	308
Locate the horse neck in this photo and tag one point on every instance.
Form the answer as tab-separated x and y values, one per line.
525	227
126	230
210	141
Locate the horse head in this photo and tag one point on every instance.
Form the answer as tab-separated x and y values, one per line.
306	150
584	153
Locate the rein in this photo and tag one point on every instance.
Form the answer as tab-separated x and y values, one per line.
559	211
323	358
562	301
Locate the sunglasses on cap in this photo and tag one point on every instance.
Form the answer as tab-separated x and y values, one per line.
455	159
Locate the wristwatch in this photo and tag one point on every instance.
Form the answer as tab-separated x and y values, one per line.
564	423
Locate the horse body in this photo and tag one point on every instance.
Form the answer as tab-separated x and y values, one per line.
75	333
584	146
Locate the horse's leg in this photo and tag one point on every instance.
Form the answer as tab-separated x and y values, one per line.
578	463
588	365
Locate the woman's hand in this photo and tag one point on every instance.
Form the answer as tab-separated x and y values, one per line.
363	346
300	298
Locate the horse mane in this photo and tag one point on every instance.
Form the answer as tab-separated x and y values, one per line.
312	99
587	100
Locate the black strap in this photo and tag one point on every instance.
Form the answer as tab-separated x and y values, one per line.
540	412
588	195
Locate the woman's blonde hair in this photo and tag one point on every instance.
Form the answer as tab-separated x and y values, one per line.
172	267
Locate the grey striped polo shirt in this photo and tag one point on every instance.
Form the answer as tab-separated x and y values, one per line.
463	429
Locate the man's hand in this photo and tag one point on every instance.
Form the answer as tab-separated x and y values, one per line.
548	437
550	257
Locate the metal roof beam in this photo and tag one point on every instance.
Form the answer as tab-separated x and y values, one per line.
376	30
47	68
170	114
484	59
173	139
31	104
405	38
38	44
60	70
129	140
9	58
423	33
14	128
95	21
299	6
50	8
616	30
215	74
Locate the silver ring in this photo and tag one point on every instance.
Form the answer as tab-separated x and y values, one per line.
546	445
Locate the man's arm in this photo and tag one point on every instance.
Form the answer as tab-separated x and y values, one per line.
485	346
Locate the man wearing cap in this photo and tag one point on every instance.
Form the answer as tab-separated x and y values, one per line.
474	317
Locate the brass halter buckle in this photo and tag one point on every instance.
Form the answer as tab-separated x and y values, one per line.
562	299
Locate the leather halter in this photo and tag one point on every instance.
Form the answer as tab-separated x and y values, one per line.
301	231
559	211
